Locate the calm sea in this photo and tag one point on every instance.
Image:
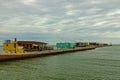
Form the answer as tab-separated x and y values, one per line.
98	64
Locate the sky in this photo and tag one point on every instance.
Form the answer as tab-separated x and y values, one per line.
60	20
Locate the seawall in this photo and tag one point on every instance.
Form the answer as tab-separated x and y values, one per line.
11	56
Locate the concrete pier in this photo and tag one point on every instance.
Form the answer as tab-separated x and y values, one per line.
9	56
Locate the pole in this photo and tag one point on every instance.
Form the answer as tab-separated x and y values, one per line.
15	45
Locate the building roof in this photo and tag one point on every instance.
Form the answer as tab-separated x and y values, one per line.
30	42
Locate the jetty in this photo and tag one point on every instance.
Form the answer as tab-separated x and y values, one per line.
11	56
29	49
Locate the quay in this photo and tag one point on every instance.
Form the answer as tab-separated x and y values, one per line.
11	56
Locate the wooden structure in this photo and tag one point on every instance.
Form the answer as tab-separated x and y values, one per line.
32	45
21	46
82	44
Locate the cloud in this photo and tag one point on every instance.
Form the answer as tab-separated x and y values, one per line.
116	12
100	23
69	6
73	19
95	2
112	34
28	2
94	10
70	13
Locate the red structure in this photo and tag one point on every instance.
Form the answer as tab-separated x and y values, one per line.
32	45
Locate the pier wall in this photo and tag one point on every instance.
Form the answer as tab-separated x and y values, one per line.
11	56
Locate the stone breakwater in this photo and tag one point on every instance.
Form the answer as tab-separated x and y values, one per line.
11	56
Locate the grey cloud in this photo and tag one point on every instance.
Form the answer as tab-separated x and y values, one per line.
59	17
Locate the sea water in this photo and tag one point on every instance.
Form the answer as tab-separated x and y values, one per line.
98	64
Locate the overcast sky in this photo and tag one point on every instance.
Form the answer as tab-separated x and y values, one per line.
60	20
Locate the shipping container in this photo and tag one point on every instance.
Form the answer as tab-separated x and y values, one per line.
65	45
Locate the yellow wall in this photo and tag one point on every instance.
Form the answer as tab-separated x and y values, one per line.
11	47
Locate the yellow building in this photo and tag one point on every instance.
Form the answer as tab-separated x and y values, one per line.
21	46
12	47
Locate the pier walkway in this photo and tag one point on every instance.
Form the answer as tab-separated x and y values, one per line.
8	56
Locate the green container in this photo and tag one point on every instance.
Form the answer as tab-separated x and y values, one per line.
65	45
71	45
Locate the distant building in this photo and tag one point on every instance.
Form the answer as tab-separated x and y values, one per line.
12	46
82	44
21	46
93	43
32	45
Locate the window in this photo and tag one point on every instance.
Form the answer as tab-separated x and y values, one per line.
7	45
